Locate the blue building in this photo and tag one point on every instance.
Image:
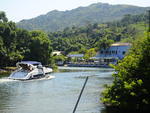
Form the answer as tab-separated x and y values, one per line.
112	54
75	55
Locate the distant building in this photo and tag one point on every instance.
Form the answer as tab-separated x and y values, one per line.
56	53
75	55
112	54
75	58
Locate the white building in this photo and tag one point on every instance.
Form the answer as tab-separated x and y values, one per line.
56	53
112	54
75	55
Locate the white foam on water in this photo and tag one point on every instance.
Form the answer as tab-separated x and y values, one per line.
2	80
44	78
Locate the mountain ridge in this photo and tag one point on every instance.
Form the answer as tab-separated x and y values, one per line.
95	13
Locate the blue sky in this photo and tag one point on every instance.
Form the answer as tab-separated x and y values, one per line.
17	10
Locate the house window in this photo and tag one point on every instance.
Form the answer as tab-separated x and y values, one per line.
110	52
107	52
113	52
123	52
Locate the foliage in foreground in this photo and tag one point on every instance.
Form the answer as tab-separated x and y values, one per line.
131	86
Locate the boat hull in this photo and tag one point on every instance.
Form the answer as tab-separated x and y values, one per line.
29	75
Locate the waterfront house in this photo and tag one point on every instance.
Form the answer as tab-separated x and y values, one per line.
75	58
76	55
56	53
112	54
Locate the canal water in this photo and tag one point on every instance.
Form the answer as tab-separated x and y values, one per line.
58	95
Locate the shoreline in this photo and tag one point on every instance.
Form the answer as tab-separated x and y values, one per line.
6	70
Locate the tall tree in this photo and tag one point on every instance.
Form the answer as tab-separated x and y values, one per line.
130	89
40	47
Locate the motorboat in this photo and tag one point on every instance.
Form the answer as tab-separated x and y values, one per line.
27	70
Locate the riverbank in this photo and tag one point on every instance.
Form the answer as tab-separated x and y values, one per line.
6	70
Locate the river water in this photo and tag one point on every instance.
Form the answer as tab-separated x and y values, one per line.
58	95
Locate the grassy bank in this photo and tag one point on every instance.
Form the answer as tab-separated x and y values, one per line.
5	71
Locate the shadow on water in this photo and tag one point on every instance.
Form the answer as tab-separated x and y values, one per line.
117	110
112	110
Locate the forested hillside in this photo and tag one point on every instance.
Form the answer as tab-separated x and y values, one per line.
79	39
18	44
95	13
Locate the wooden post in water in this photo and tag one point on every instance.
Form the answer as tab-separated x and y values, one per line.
80	94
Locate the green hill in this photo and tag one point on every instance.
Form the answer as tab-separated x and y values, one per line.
80	39
95	13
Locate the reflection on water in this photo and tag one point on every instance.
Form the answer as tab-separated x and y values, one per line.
78	69
57	95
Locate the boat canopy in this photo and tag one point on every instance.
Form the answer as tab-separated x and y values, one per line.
30	62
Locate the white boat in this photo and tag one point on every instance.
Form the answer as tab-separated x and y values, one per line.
27	70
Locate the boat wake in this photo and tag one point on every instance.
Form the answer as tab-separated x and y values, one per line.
44	78
5	80
2	80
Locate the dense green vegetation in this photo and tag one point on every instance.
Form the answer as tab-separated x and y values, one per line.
130	89
18	44
95	13
80	39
